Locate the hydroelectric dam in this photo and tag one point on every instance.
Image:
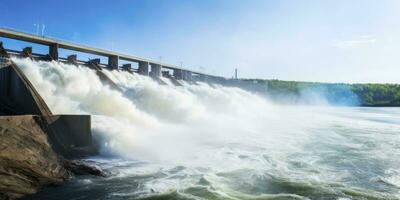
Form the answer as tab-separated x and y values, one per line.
105	129
70	135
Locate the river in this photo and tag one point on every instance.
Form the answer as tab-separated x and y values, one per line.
214	142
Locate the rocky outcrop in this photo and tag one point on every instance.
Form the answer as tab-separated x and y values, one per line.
79	167
27	160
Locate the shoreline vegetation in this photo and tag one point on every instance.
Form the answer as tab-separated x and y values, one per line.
341	94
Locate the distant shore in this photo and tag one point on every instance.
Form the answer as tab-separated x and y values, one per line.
342	94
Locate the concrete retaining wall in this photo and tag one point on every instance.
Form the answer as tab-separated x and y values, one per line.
70	135
16	95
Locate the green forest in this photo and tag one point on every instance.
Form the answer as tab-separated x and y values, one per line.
333	93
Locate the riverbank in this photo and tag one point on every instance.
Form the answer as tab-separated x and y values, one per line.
314	93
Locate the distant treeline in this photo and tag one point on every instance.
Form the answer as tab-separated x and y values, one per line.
332	93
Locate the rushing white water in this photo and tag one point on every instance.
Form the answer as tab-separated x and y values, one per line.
230	141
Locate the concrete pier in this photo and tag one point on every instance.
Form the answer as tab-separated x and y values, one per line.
155	70
53	51
27	52
127	67
202	77
72	59
113	62
95	64
178	74
143	68
187	75
165	74
95	61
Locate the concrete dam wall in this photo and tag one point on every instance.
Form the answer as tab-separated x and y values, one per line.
17	94
36	144
70	135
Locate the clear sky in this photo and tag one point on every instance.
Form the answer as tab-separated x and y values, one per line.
327	40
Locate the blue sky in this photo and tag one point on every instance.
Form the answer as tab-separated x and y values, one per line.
328	41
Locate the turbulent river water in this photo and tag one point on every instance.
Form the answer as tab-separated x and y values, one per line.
214	142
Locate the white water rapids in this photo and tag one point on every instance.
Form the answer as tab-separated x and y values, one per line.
228	142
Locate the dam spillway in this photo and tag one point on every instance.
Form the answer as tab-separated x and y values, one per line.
192	137
71	134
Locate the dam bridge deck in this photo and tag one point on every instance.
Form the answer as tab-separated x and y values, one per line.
146	67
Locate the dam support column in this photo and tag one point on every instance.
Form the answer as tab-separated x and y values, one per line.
95	61
178	74
143	68
27	52
184	74
113	62
95	64
53	51
127	67
155	70
190	76
202	77
72	59
187	75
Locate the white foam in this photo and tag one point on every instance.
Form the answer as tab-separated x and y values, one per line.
214	128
